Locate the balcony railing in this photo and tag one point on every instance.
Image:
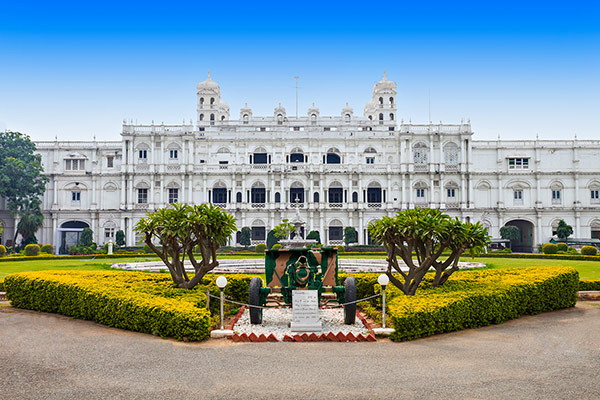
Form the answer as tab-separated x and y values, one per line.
336	205
374	205
257	205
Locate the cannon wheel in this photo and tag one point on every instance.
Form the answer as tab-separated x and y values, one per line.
255	313
350	295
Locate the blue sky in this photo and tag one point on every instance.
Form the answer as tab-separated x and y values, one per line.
77	69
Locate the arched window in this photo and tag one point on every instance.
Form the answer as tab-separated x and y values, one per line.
370	118
260	156
451	154
222	118
355	197
420	192
391	116
336	230
212	119
316	197
381	116
201	100
212	100
333	156
347	117
245	118
277	197
219	193
297	155
420	153
258	193
258	230
391	100
335	193
297	193
374	193
381	100
201	117
238	197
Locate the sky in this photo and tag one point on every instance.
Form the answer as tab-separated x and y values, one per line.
75	70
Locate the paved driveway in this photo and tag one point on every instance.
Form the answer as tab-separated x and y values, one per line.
550	356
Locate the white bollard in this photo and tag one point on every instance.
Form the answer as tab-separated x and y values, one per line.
220	333
383	280
110	248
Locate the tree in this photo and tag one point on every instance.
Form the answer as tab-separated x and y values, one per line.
31	220
181	227
350	235
87	237
314	235
272	240
22	181
427	233
563	231
246	237
510	232
284	229
120	238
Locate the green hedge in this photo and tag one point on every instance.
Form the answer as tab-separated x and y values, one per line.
137	301
589	285
471	299
572	257
1	286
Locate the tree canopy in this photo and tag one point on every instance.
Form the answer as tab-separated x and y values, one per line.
510	232
563	230
178	229
246	237
284	229
350	235
427	233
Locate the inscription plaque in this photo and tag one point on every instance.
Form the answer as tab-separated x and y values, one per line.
305	311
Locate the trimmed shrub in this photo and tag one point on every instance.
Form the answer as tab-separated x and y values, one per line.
562	246
2	250
589	285
260	248
137	301
340	248
549	248
32	250
589	251
572	251
47	248
276	246
471	299
1	286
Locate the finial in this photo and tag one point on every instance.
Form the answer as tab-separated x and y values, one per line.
313	104
94	138
209	74
246	105
56	138
384	74
279	104
346	104
537	136
575	136
498	136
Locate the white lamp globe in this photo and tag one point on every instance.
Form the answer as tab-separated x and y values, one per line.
221	282
383	279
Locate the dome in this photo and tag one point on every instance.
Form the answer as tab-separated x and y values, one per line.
207	84
384	84
347	110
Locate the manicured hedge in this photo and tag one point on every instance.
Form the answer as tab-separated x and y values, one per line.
137	301
1	286
572	257
472	299
589	285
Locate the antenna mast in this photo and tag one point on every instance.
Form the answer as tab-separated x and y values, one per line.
296	78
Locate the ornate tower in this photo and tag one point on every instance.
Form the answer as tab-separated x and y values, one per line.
211	108
382	107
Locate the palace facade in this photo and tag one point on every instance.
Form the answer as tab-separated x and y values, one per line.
339	171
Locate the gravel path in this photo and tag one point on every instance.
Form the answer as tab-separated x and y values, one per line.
276	320
549	356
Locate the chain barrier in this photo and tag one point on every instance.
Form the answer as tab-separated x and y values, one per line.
265	307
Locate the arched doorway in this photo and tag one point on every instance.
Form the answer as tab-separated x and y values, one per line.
70	234
525	243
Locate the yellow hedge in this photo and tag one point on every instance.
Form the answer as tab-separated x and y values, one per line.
472	299
136	301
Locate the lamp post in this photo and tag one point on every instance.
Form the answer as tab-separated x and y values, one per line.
221	283
383	280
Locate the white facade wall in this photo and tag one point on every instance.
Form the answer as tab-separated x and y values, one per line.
409	165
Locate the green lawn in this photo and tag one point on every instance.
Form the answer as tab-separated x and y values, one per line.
587	269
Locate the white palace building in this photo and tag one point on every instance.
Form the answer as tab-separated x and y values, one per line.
340	171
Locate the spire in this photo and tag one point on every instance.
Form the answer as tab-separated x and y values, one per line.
384	77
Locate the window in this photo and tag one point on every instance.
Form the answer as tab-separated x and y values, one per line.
316	197
277	197
258	195
518	163
142	196
556	196
595	195
336	195
373	195
74	165
370	160
296	193
143	154
109	234
110	161
332	158
238	197
355	197
336	233
219	195
451	193
172	154
518	196
258	233
420	193
173	196
75	197
260	158
420	154
297	157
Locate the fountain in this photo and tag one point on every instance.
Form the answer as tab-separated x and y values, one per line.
297	242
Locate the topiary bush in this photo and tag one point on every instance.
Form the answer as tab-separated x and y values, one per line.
572	250
276	246
340	248
2	250
562	246
549	248
32	250
589	251
47	248
260	248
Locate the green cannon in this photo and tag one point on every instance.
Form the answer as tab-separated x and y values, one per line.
287	270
